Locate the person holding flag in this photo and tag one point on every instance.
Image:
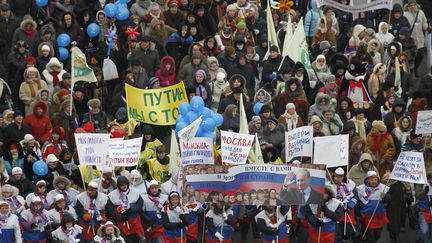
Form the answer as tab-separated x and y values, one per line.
372	195
345	192
219	219
271	224
175	220
151	212
323	218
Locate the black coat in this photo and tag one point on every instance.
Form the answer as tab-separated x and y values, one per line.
295	197
25	186
12	133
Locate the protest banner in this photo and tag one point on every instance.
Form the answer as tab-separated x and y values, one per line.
190	131
125	153
332	151
80	69
424	122
235	147
197	151
289	182
155	106
92	148
410	167
378	4
298	142
298	47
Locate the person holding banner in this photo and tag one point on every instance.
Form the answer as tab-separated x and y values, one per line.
219	220
322	219
175	220
90	208
372	195
123	208
345	192
271	224
423	195
151	213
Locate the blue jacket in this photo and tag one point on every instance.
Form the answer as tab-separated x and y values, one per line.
311	19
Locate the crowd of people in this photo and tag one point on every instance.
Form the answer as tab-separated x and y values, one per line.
370	74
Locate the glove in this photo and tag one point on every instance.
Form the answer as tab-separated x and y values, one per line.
219	236
323	208
347	210
256	31
426	189
319	223
430	203
274	226
273	76
123	218
180	225
33	226
225	216
382	195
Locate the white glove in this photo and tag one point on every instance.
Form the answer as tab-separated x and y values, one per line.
225	216
219	236
274	226
256	31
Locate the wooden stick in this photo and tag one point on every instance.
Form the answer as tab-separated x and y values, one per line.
277	223
345	213
223	220
319	234
373	213
203	235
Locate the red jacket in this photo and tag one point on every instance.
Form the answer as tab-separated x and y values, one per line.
166	78
40	125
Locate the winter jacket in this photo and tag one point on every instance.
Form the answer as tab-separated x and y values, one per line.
187	72
40	125
149	59
166	78
357	173
333	126
140	8
25	94
19	33
420	25
391	119
25	186
385	152
8	27
317	109
14	133
397	24
48	76
311	19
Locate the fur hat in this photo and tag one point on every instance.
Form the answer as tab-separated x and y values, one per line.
380	126
231	7
290	106
154	6
94	103
63	179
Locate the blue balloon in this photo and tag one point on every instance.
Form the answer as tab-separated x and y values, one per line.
124	1
218	119
40	168
191	116
184	108
63	40
207	113
41	3
180	126
110	10
257	108
93	30
200	132
208	124
122	13
63	54
180	119
197	104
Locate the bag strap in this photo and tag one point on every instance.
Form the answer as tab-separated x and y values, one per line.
415	20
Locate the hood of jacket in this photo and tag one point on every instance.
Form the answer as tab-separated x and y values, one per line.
399	102
167	60
53	62
40	104
52	53
27	19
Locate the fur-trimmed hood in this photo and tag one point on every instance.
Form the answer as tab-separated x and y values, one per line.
53	62
61	179
27	19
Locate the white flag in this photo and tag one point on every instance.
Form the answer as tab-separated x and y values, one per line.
298	47
288	36
174	158
271	31
189	132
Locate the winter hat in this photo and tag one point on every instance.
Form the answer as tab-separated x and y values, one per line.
152	81
265	108
122	180
45	48
321	56
30	59
220	76
380	126
94	184
412	1
121	113
51	158
67	217
339	171
358	111
256	120
172	3
314	119
17	113
241	25
290	106
201	73
89	127
40	182
62	92
17	171
154	6
274	48
94	103
330	78
4	203
36	199
106	170
366	157
66	75
405	31
4	7
153	183
231	7
371	173
13	147
272	120
28	138
324	45
296	162
59	197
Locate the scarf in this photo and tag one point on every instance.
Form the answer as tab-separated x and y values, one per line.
4	218
342	191
201	91
39	213
360	127
93	207
32	89
30	33
124	199
369	191
14	202
42	197
377	141
291	120
64	193
69	233
55	78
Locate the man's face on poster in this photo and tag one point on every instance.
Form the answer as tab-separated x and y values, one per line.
303	181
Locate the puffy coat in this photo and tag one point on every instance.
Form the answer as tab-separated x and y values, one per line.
420	25
312	19
40	124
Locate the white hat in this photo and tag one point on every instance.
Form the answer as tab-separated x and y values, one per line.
7	188
108	223
51	158
40	182
36	199
28	138
16	171
93	184
220	76
45	48
296	162
371	173
135	173
107	169
339	171
59	197
153	183
4	203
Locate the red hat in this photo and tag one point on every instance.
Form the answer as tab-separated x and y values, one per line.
58	130
13	147
172	2
30	59
80	130
62	92
89	127
117	132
